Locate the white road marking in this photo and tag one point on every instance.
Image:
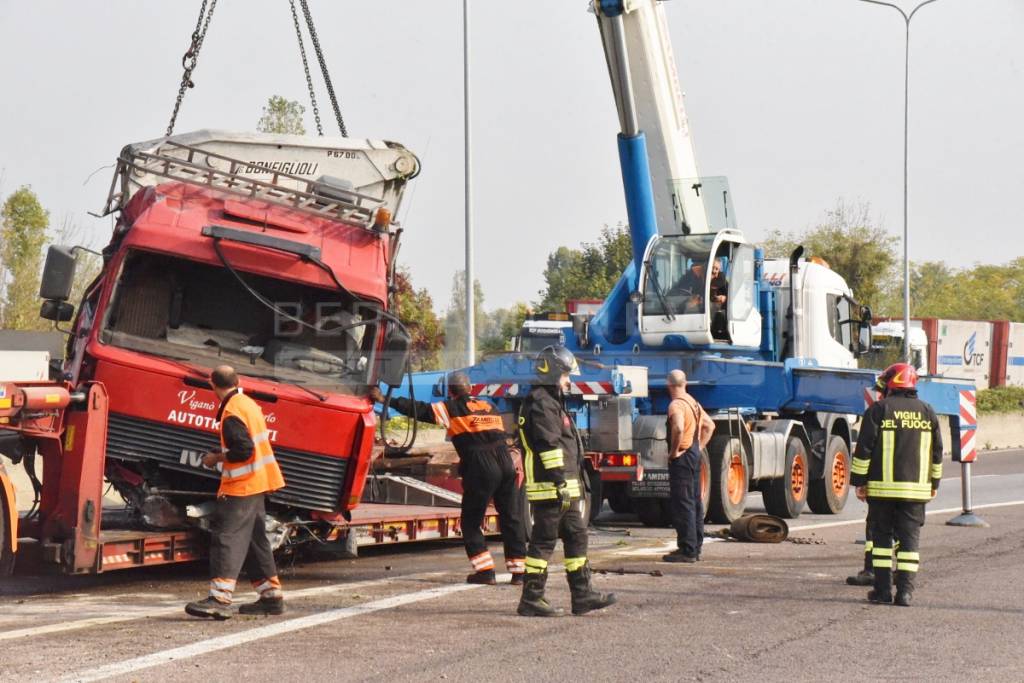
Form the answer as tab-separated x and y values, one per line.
671	545
943	511
223	642
178	606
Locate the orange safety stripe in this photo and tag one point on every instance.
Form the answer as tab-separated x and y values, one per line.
475	423
440	413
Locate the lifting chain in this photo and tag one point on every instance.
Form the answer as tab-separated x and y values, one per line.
305	67
191	58
323	67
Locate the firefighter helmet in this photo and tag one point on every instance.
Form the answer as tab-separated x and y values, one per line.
898	377
555	361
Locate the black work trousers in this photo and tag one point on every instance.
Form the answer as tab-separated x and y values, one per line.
488	473
239	538
551	524
900	521
685	501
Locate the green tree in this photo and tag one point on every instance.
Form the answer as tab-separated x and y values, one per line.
415	308
502	325
455	320
23	224
853	244
282	116
983	292
589	272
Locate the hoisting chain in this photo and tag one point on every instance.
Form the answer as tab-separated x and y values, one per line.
191	58
323	67
305	68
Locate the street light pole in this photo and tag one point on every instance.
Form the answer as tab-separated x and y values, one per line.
906	147
470	289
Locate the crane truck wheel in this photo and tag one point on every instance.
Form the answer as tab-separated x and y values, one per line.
650	511
618	497
728	481
6	556
827	495
786	496
705	480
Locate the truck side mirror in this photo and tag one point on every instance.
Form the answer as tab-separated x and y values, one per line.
57	311
58	274
864	338
395	356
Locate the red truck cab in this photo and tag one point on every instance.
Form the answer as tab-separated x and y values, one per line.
272	254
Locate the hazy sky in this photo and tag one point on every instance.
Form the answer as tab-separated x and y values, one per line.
799	102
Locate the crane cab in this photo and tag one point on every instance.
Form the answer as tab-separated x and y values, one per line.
699	290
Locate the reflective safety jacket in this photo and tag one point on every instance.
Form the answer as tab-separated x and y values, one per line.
899	450
259	472
552	450
471	423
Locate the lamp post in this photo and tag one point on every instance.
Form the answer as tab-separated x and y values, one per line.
470	290
906	137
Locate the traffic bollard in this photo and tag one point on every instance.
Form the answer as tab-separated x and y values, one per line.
967	517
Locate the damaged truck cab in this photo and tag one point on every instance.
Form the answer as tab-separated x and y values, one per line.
270	253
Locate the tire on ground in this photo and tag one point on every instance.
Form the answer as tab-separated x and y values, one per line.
596	494
786	496
729	479
828	495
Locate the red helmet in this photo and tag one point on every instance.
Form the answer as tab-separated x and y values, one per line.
897	377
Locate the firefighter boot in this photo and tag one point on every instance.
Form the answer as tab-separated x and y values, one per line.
584	597
533	603
866	576
882	592
263	606
485	578
210	608
904	588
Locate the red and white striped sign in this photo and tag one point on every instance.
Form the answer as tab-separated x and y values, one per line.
577	388
870	397
968	426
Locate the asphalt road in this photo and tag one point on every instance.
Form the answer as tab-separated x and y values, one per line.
747	612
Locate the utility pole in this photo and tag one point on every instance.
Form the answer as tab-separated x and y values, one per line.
470	289
906	147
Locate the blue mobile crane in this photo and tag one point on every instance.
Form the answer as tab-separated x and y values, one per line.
769	347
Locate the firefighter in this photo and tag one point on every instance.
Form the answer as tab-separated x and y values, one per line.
896	468
239	534
488	471
553	459
866	576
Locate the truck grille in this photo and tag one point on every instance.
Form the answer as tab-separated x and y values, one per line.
313	481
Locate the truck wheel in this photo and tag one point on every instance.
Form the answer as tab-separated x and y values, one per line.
785	496
729	477
596	495
705	480
828	494
618	498
650	511
6	556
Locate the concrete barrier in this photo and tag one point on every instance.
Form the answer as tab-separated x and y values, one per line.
1001	430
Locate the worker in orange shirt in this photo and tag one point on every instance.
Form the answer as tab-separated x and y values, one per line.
239	535
689	430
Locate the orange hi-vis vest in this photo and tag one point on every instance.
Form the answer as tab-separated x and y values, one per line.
260	473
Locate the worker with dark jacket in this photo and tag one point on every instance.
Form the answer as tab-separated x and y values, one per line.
487	469
896	468
866	576
553	460
239	534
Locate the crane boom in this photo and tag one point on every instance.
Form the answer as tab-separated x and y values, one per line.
653	98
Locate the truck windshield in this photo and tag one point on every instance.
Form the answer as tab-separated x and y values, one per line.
199	313
678	268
